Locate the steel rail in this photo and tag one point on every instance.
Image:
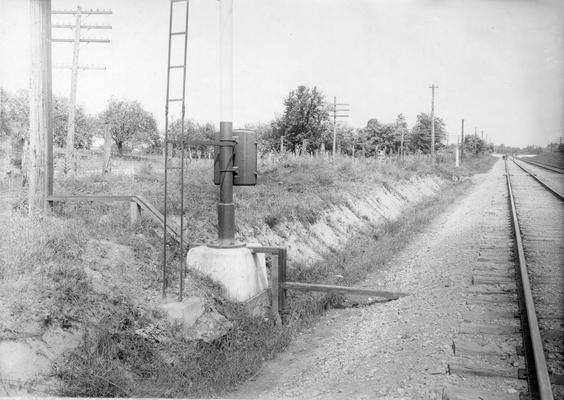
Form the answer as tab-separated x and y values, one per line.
541	369
543	183
546	166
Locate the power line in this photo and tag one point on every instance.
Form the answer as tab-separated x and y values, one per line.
77	28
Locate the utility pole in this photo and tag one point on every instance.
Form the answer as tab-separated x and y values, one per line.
402	155
40	107
77	27
433	87
337	110
462	142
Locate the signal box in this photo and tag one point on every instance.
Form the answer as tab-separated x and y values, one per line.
244	158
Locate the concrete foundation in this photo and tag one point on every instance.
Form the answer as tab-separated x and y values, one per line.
241	273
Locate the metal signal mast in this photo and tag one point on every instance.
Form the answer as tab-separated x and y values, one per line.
77	28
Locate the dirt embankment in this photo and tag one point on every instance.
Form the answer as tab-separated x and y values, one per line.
89	305
334	227
24	362
397	350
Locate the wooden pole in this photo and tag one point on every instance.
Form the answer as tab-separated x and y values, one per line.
107	167
334	125
462	142
70	164
433	87
40	107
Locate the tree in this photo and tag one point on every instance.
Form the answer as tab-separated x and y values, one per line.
379	137
129	124
14	129
84	125
305	117
473	144
14	115
349	139
266	139
14	120
192	131
420	138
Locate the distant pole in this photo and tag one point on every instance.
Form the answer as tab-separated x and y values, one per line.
482	135
282	144
334	125
401	145
40	107
475	131
462	142
336	112
70	159
71	162
433	87
457	154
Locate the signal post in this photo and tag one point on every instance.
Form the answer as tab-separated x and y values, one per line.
241	273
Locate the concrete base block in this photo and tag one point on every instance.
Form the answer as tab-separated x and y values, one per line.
185	312
241	273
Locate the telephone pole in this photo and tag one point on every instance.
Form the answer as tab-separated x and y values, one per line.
462	142
77	28
40	107
433	87
337	108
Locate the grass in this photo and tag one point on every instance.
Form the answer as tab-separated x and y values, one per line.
49	268
554	158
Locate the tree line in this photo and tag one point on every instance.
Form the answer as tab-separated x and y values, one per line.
304	126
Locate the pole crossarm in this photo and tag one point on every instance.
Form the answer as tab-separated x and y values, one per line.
82	26
81	67
84	12
69	40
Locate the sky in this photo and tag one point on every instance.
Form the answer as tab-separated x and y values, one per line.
499	64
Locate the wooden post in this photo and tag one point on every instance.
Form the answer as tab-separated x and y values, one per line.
275	288
107	167
40	108
70	164
134	212
282	260
433	87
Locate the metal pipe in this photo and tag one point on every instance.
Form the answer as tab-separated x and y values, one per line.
226	208
182	259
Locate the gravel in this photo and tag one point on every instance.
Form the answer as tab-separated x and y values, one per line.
400	349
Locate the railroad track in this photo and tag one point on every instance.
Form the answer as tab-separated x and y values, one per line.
547	166
511	343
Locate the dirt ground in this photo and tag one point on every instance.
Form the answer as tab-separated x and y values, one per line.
399	349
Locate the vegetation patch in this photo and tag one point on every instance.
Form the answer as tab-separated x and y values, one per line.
86	268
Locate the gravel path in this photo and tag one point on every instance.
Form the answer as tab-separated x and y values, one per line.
400	349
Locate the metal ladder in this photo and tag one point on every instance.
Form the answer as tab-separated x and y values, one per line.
181	138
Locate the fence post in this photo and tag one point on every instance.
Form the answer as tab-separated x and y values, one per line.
134	212
275	288
282	263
